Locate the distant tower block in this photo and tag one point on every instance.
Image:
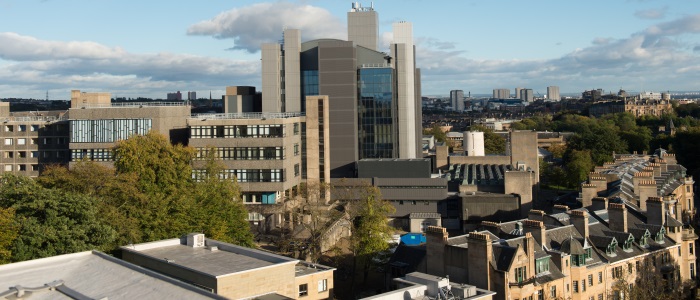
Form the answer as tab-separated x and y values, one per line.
474	143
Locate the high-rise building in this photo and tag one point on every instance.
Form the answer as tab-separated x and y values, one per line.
501	93
457	100
553	93
517	92
526	95
374	98
177	96
191	95
363	26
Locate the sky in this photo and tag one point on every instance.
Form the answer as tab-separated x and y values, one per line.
149	48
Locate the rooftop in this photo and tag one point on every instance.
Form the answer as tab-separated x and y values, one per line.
248	115
90	275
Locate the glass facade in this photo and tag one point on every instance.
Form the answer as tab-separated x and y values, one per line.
376	120
309	86
107	130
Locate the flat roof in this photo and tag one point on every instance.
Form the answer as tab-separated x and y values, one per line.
215	263
94	275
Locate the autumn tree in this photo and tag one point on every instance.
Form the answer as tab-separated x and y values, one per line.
8	233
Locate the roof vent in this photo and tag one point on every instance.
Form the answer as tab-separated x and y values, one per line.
195	240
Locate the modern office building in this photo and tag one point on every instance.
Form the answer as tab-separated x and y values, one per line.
457	100
374	98
232	271
527	96
242	99
501	94
553	93
363	26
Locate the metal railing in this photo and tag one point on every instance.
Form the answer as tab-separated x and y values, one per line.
249	115
131	104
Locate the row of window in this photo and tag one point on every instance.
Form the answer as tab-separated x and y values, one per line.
35	141
245	175
91	154
33	154
242	153
22	128
237	131
107	130
21	168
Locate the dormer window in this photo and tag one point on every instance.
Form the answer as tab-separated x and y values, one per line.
660	235
643	240
542	265
589	253
627	246
612	248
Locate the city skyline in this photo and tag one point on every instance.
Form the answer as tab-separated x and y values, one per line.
470	45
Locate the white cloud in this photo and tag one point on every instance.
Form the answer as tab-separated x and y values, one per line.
253	25
31	63
652	14
653	57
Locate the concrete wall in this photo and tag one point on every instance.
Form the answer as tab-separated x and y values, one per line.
318	153
484	160
273	279
79	99
271	89
404	60
312	282
292	71
363	28
521	183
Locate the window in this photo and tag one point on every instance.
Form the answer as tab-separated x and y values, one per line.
8	141
322	285
542	265
629	268
9	128
665	257
22	128
34	141
296	128
9	154
296	170
553	292
22	154
617	272
21	141
34	128
35	168
47	141
8	168
296	149
600	296
303	290
583	285
692	270
575	286
600	277
107	130
539	294
590	279
21	167
520	274
690	248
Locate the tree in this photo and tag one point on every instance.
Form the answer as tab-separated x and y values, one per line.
161	166
371	231
222	215
436	131
52	222
8	233
578	165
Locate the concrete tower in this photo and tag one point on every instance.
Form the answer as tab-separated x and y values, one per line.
553	93
474	143
280	67
457	100
402	49
363	26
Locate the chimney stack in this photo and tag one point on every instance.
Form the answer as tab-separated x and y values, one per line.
588	192
480	255
599	203
536	214
579	218
537	230
656	212
617	217
436	239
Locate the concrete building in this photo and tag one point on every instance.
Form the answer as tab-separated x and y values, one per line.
242	99
418	285
474	143
553	93
517	92
457	100
91	275
501	94
527	96
363	26
232	271
191	95
95	128
374	98
177	96
32	140
78	98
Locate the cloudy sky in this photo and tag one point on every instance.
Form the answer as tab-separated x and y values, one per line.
148	48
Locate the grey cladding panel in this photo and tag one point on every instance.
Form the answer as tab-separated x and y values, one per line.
347	65
336	53
339	78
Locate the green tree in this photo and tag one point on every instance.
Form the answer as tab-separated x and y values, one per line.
579	164
161	166
685	145
436	131
222	215
8	233
371	232
52	222
493	143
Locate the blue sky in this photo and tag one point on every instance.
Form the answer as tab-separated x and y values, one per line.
149	48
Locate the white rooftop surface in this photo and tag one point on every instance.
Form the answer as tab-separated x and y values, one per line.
94	275
214	263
